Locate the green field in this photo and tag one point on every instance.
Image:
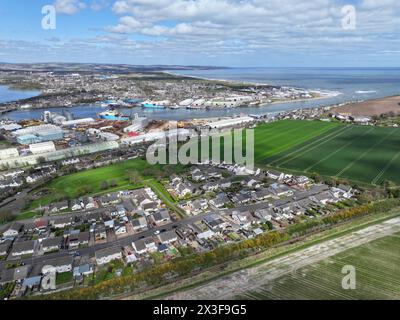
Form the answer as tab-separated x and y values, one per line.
89	182
358	153
377	276
273	138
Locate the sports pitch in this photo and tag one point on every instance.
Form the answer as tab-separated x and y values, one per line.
377	276
359	153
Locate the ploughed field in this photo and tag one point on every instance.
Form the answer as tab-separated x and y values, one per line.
377	276
359	153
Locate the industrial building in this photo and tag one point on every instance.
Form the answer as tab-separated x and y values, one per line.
9	153
10	127
42	147
71	123
182	134
230	122
35	129
107	136
58	154
50	135
27	139
138	124
186	103
35	134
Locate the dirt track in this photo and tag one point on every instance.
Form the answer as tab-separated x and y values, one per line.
246	280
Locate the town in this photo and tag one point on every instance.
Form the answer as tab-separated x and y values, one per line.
128	223
130	229
126	88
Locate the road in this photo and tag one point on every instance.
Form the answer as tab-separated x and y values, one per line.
238	283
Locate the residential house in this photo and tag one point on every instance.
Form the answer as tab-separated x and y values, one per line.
109	223
120	227
220	201
79	240
110	199
323	198
41	224
242	198
175	179
214	222
13	230
59	206
5	248
242	218
199	205
31	282
142	246
161	216
62	222
251	183
281	190
263	194
58	265
211	186
205	235
52	244
129	207
343	191
100	232
167	237
107	255
275	175
197	175
29	227
139	224
90	204
121	211
83	270
23	248
77	205
148	205
184	189
265	214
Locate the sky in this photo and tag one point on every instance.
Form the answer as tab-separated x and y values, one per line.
238	33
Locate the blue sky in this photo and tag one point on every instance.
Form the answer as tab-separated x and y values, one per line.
203	32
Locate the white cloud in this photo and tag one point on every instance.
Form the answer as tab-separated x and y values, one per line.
72	7
98	5
69	7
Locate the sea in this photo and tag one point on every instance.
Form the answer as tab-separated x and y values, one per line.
345	84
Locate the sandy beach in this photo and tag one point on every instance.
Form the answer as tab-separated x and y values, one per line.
372	107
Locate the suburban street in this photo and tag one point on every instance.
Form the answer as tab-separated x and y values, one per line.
121	242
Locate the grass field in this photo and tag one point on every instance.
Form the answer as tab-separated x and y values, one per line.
362	154
377	275
89	182
271	139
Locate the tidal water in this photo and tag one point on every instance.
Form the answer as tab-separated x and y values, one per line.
350	84
7	94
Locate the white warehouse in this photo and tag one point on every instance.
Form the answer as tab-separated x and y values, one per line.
230	122
9	153
42	147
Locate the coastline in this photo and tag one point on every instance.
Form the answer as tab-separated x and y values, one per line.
323	94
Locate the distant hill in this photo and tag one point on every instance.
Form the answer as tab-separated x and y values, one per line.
97	67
